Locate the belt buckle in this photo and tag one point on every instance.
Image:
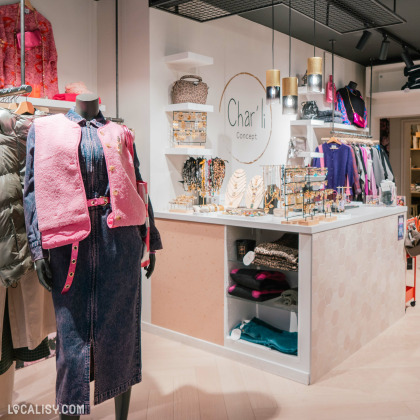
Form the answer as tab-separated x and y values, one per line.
105	201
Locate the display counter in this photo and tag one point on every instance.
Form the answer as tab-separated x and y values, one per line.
350	279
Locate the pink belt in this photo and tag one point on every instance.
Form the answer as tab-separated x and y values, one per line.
101	201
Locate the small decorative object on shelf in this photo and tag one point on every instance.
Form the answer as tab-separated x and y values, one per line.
243	212
182	204
235	189
254	193
207	208
272	179
189	129
309	110
243	246
372	200
185	90
388	193
341	199
304	197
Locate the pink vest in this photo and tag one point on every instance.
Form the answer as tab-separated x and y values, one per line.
61	202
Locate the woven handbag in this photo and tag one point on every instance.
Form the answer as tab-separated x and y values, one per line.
189	91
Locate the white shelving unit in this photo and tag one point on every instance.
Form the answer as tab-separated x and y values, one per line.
188	60
397	95
188	151
387	82
314	130
318	124
189	107
310	155
291	318
52	104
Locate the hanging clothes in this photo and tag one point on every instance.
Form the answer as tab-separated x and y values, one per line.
102	307
339	161
26	311
377	166
388	172
41	53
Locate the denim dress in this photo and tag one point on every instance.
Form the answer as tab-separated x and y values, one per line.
98	319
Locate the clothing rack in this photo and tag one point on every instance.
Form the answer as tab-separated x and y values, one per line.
356	140
15	91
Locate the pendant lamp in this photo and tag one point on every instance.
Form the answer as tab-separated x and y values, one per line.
314	67
290	84
272	76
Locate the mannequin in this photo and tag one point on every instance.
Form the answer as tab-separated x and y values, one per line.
87	106
352	85
349	102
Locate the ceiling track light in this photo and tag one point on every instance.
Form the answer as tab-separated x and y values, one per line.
383	53
363	40
405	55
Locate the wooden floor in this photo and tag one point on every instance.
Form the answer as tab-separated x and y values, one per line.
382	381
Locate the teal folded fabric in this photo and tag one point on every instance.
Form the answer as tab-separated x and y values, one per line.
259	332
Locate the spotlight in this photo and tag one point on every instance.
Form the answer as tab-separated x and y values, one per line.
383	54
406	58
363	40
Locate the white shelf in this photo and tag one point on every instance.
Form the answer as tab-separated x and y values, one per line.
321	124
397	94
310	155
272	303
188	151
303	90
189	107
188	59
52	104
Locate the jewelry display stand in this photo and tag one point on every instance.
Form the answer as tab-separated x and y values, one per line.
235	189
254	193
306	201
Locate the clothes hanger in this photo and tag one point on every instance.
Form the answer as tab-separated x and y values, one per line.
29	6
25	108
334	140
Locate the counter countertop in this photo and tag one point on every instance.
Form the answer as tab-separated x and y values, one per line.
269	222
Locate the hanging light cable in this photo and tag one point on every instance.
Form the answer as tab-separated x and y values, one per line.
272	81
290	84
315	65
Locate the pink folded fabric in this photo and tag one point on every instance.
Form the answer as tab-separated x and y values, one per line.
71	97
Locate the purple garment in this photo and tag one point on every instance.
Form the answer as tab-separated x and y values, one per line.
339	162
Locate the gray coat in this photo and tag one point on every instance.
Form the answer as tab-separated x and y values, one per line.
31	312
15	259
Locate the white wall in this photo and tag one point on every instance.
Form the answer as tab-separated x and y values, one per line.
74	27
237	45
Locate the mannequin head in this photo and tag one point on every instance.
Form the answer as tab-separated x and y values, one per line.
352	85
87	105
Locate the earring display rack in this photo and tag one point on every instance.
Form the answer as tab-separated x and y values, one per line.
304	198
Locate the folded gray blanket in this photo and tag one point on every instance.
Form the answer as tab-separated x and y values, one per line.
329	113
289	297
337	120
